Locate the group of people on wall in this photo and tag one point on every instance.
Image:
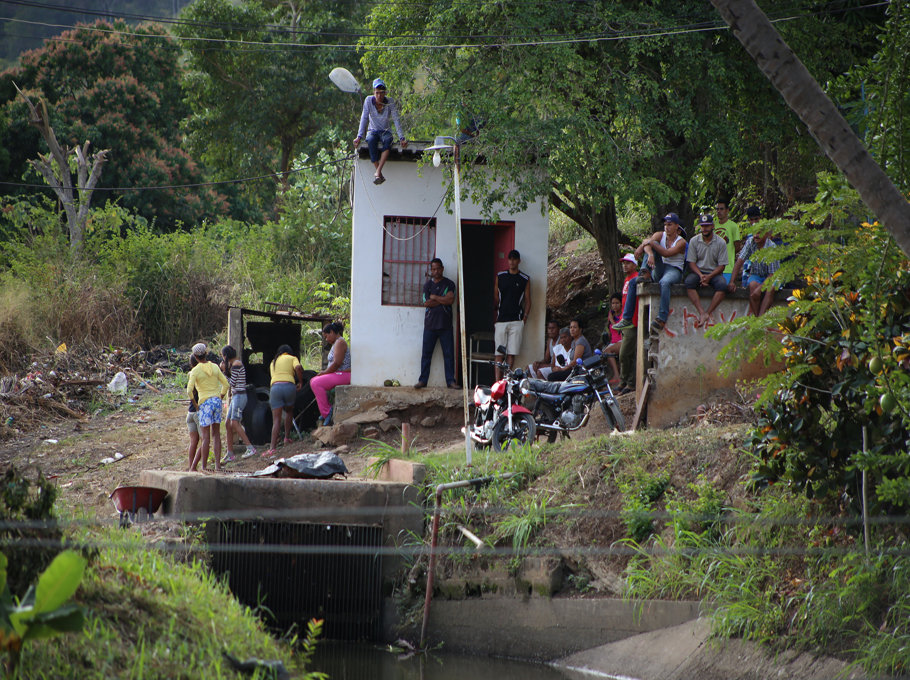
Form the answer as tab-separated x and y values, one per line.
717	258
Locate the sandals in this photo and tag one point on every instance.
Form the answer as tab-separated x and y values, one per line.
378	179
269	453
288	441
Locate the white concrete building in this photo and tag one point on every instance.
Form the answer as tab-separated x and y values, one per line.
398	228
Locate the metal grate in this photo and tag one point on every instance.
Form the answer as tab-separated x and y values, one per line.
305	571
409	243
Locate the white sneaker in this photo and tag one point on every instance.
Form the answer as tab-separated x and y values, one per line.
250	452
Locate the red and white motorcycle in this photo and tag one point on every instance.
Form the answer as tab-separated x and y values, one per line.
499	418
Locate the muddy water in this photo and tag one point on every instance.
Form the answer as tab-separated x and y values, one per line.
349	661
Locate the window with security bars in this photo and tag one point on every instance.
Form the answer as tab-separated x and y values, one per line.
409	243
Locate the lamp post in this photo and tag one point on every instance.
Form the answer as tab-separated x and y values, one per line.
440	144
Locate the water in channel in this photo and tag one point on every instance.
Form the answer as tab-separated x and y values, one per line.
363	661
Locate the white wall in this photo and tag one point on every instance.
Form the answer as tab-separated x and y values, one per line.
386	341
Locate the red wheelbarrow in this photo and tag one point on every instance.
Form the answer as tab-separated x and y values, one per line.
129	499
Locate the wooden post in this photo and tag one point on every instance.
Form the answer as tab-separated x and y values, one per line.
405	438
235	330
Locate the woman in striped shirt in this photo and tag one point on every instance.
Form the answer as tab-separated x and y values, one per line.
237	372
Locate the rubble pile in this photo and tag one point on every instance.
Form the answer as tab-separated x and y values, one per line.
72	383
724	413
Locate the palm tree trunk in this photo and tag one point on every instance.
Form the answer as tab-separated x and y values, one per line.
826	125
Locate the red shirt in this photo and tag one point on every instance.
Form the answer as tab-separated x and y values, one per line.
625	294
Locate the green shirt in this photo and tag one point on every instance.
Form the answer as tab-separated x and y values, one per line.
729	232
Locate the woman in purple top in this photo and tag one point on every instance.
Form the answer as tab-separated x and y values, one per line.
376	111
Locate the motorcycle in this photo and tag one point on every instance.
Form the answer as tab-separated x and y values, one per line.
563	407
499	418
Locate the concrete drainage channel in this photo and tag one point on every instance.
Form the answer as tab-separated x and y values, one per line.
302	548
329	549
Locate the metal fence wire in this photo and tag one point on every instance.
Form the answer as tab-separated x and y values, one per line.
339	579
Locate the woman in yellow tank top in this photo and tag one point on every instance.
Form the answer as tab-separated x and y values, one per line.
287	381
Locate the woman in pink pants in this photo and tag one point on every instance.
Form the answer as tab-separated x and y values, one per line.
338	372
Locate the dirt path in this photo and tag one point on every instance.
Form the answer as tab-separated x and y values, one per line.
149	431
150	435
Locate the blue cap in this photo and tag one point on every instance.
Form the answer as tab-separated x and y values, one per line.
378	83
671	217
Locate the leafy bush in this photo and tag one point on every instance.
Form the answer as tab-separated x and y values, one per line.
703	516
175	281
640	495
30	538
42	612
857	299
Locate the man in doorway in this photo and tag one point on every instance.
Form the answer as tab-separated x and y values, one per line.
438	296
706	260
730	232
512	301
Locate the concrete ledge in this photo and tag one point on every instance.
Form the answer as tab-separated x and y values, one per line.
401	471
542	629
681	362
393	505
685	652
679	289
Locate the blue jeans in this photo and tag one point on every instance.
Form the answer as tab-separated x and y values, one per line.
374	139
665	275
447	341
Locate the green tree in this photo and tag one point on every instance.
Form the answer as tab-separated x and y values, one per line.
620	102
264	97
826	125
875	97
120	92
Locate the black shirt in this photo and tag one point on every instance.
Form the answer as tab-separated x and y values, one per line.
511	295
438	318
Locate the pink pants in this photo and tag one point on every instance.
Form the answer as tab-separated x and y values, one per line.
323	383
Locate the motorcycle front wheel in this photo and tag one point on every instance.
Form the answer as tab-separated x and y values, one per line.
524	430
614	415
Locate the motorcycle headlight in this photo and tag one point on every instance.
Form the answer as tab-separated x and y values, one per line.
525	387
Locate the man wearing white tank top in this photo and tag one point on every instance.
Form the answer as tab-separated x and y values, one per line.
663	259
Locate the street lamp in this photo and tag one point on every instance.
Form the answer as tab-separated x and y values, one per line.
345	81
440	144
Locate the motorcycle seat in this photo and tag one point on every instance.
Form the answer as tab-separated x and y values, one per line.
544	386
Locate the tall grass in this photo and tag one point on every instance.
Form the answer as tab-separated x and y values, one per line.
132	283
152	616
786	583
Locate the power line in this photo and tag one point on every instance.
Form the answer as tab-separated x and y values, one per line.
272	28
187	186
613	36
